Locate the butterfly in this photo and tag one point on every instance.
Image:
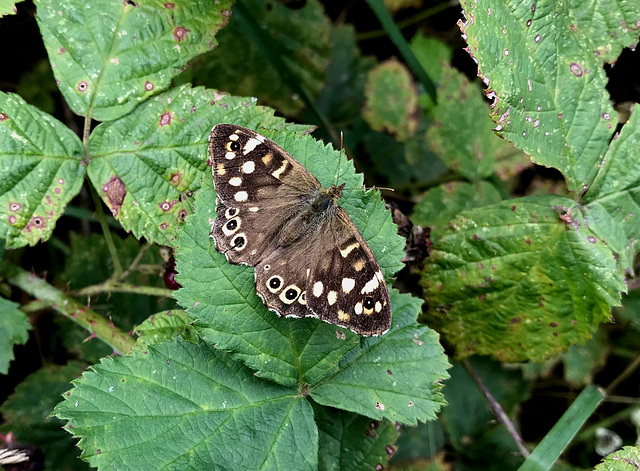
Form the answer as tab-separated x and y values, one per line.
309	258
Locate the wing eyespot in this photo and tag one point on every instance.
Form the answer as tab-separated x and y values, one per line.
274	283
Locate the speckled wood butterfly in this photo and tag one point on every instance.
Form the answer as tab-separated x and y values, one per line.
309	258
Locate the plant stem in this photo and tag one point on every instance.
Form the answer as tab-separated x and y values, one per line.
631	367
97	325
114	286
497	409
136	262
117	265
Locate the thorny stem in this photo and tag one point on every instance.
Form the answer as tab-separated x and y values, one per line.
497	409
117	265
97	325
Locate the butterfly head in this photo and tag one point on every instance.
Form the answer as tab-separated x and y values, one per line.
334	193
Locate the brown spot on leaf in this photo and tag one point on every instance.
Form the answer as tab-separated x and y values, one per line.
182	214
389	372
165	119
12	219
575	69
3	117
592	239
169	5
175	178
390	450
82	86
115	191
167	205
379	467
180	33
226	13
57	190
553	324
163	226
148	86
528	241
37	222
13	207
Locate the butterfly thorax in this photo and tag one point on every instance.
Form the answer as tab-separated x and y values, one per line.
320	205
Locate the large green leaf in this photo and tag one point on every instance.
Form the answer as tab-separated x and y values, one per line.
146	164
625	459
41	161
8	7
542	62
14	329
26	413
396	376
108	56
523	279
222	296
180	405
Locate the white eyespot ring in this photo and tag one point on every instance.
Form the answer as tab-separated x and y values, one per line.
231	226
275	283
239	242
302	299
289	294
231	212
368	304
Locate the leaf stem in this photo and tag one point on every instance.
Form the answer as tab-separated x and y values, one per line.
64	304
117	265
497	409
136	262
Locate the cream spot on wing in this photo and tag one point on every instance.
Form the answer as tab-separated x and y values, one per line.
229	155
234	137
267	158
282	168
358	308
242	196
317	288
347	250
378	306
220	170
254	209
250	145
380	276
348	284
343	316
332	297
371	285
308	272
248	167
358	265
235	181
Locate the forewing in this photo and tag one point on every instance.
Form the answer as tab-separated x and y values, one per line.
259	187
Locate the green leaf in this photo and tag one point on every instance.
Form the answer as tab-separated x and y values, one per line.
625	459
222	298
462	111
300	37
582	361
543	65
350	441
617	185
433	55
42	171
14	329
109	56
440	204
396	376
8	7
146	164
391	100
163	326
27	409
185	406
550	448
522	279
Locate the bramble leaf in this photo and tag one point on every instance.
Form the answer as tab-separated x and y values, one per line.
542	63
187	406
523	279
42	171
109	56
396	376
